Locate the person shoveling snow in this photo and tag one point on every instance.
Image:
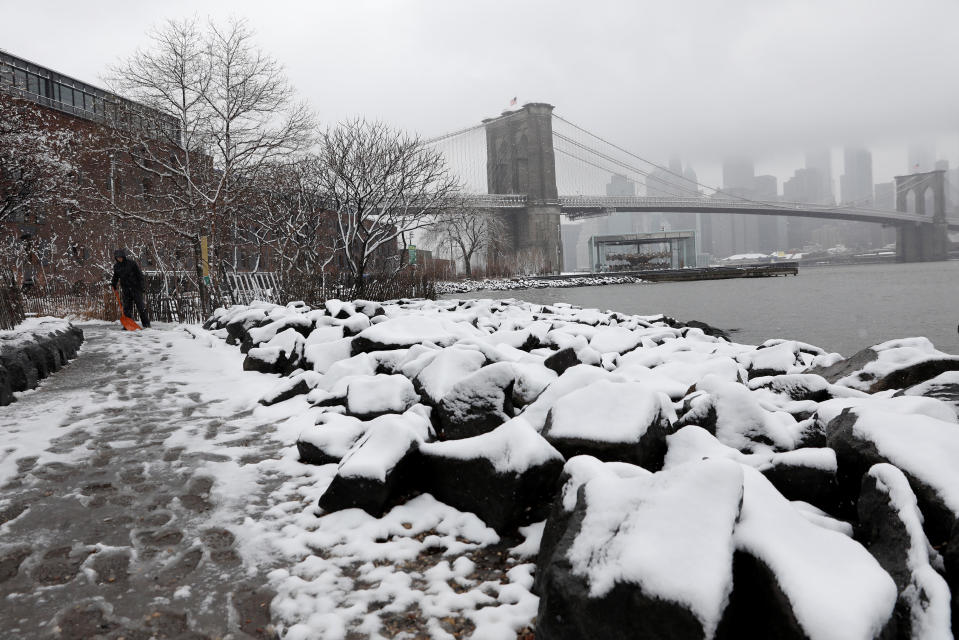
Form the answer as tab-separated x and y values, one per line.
127	273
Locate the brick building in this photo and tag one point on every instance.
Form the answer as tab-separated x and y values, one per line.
68	235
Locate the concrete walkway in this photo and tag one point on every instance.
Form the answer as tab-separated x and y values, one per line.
117	515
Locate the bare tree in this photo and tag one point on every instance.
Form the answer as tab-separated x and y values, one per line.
37	170
381	184
220	115
471	230
296	227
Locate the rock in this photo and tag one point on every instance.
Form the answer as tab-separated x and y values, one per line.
612	421
890	527
707	329
795	386
734	414
330	438
576	472
808	475
287	388
847	367
507	477
379	467
562	360
914	374
951	561
283	354
613	573
776	359
796	579
402	333
478	403
923	448
445	370
368	397
944	387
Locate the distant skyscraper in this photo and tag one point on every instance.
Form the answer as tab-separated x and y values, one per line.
820	161
738	173
620	186
856	182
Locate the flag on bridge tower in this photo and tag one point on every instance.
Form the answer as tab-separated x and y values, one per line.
512	102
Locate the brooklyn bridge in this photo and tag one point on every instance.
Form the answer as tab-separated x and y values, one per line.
510	164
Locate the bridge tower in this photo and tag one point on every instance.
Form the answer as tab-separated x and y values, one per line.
520	160
925	194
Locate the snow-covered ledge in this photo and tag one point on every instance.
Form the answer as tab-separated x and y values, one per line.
32	351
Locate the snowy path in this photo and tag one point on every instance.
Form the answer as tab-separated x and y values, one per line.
121	479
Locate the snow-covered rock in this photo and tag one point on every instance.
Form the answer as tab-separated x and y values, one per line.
612	421
282	354
644	556
478	403
368	397
891	528
795	579
923	448
507	476
381	464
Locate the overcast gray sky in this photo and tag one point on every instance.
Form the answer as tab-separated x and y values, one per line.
700	78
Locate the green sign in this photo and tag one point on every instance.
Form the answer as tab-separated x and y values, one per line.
412	251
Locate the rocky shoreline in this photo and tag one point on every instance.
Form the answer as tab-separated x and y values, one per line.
668	482
515	284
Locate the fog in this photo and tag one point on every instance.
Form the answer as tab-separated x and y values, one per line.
701	80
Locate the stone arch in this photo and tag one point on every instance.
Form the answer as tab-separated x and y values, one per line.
911	201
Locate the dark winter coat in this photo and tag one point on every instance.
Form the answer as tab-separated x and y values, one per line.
127	273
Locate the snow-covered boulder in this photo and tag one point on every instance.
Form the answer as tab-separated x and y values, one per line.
478	403
368	397
807	475
403	332
644	556
562	360
795	579
890	526
896	364
924	448
735	415
796	386
944	387
330	438
612	421
445	369
507	476
282	354
379	466
299	384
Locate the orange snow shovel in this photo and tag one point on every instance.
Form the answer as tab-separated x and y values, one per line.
128	323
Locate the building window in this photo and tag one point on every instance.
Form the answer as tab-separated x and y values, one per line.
33	85
20	78
66	95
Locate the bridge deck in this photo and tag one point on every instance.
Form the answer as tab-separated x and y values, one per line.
576	207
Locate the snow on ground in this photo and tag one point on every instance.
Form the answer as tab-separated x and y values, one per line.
369	383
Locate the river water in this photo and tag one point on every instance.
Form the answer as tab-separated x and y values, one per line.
839	308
